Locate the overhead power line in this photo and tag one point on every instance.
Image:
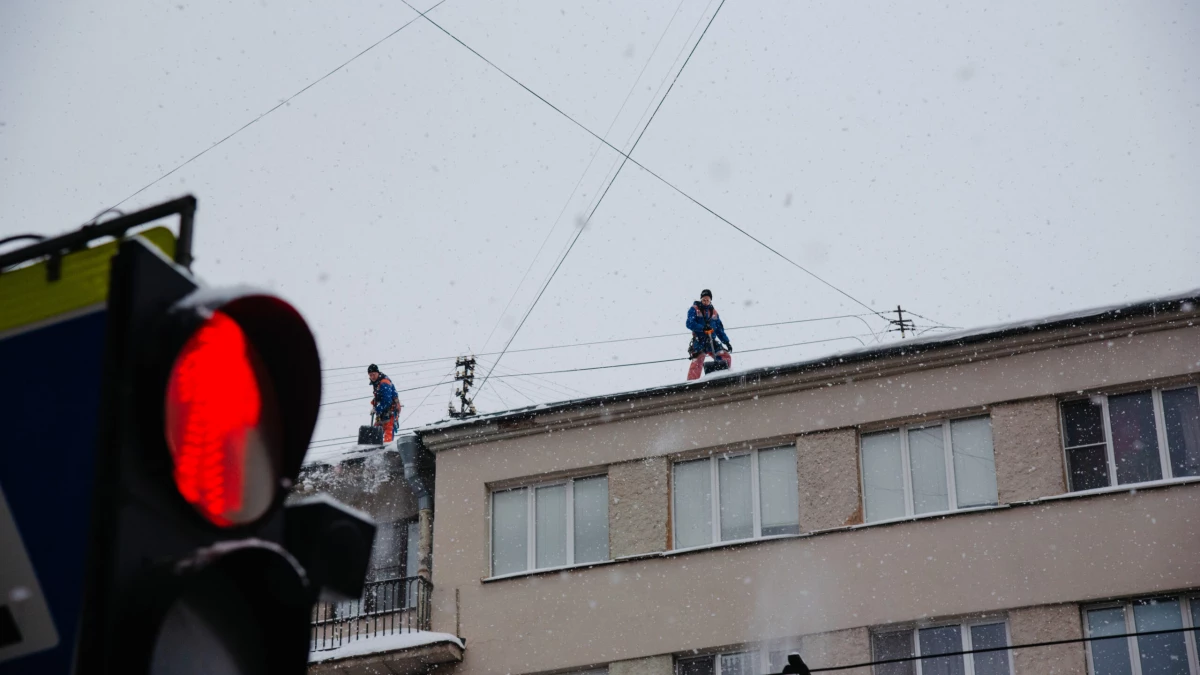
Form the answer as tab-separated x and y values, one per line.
684	358
277	106
586	169
579	233
612	341
627	365
628	157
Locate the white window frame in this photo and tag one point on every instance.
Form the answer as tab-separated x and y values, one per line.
715	489
531	524
762	651
1190	638
964	635
1160	432
906	464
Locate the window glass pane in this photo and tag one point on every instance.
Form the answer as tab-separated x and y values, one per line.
941	640
987	637
1195	603
1134	440
510	531
1088	467
693	503
896	645
883	476
705	665
927	452
1083	422
1109	657
779	503
974	462
411	563
551	534
1160	654
737	516
591	519
385	552
1182	411
742	663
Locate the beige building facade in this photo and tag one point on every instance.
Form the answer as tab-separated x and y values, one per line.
1022	484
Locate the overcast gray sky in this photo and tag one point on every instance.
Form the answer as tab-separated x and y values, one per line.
976	163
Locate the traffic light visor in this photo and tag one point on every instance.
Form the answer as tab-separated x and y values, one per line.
222	424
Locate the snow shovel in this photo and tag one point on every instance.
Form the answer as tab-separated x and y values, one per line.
370	435
715	365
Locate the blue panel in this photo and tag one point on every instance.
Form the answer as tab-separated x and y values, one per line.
49	409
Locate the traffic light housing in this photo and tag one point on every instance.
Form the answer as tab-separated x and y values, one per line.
210	400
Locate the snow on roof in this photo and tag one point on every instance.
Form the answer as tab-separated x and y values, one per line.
339	453
383	643
1185	301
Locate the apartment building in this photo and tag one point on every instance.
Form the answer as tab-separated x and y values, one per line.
1026	483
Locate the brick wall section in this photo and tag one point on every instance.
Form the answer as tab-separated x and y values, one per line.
1042	624
1028	445
827	469
655	665
638	509
839	648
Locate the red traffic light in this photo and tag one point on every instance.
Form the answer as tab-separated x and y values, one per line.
222	424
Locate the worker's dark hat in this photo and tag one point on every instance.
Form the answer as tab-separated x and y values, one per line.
372	368
706	292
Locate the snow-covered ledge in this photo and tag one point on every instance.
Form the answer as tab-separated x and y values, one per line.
412	652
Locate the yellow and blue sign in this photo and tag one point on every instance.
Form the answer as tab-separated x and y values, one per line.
52	346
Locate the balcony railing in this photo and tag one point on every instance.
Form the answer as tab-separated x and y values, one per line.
387	607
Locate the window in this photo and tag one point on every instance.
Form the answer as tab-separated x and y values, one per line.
1132	438
394	553
928	468
733	663
755	496
393	558
550	525
927	642
1163	654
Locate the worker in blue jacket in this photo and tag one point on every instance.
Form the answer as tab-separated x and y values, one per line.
385	403
708	337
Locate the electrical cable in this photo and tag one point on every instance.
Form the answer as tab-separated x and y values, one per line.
549	385
934	321
627	157
554	225
367	398
616	340
624	365
683	358
276	107
583	226
427	395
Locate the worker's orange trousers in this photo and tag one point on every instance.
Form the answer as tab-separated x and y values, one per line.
387	429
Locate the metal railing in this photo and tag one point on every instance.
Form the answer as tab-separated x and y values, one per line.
386	607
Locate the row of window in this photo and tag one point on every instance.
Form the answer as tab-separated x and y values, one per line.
912	470
551	525
1167	653
1173	649
1132	438
717	499
936	649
